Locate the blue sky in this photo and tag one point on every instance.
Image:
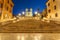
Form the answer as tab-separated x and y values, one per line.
21	5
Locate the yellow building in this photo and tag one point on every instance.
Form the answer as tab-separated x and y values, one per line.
53	9
6	7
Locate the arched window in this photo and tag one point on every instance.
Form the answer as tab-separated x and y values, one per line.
49	10
55	7
56	15
53	0
48	4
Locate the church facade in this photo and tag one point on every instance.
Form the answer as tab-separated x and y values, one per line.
28	12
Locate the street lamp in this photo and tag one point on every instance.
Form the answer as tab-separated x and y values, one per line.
14	17
6	15
19	14
23	13
36	12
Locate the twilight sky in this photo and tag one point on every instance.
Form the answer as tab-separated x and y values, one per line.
21	5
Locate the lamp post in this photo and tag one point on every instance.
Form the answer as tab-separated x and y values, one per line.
23	13
19	14
36	12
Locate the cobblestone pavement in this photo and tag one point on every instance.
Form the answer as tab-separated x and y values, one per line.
31	26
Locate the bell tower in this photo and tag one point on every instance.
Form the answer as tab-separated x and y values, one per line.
26	12
30	11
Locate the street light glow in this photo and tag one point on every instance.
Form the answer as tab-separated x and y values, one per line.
36	12
14	17
19	14
23	12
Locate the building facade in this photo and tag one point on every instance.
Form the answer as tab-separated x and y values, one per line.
6	7
44	13
53	9
1	4
28	12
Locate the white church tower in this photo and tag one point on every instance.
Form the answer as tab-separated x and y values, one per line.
30	11
26	12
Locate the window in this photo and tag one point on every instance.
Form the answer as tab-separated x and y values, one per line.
1	5
3	1
53	0
56	15
11	5
6	8
55	7
28	13
8	1
49	11
48	4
